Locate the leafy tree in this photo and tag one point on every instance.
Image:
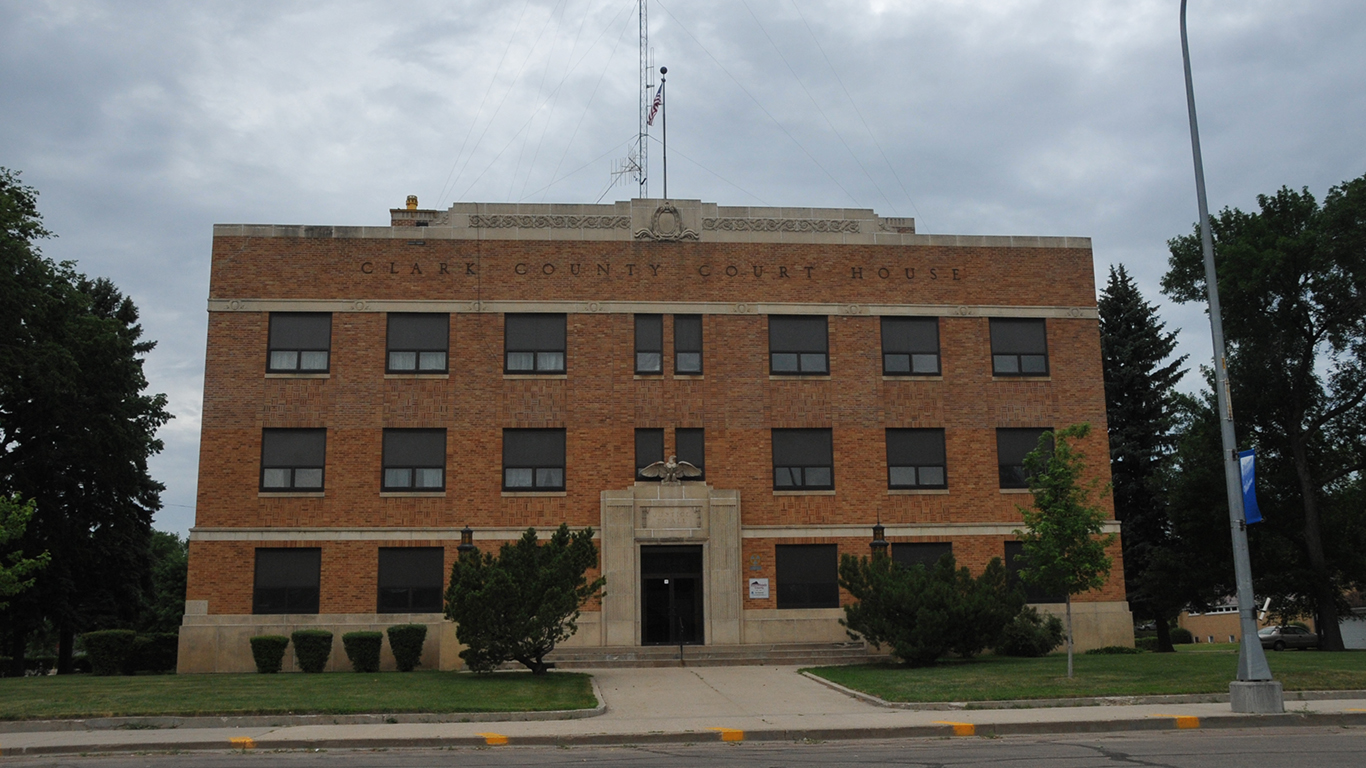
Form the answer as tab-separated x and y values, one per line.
1063	549
924	613
14	517
1292	283
1139	403
76	430
519	604
163	606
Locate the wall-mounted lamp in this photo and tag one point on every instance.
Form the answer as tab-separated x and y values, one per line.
879	545
466	540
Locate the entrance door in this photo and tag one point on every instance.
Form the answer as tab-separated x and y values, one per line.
671	595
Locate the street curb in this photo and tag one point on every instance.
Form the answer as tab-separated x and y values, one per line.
1081	701
946	730
287	721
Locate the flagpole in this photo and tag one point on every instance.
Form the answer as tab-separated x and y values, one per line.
664	105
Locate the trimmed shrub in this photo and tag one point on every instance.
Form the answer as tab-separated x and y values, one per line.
1114	650
311	648
1146	644
1030	634
156	652
406	640
269	652
1182	636
109	650
362	648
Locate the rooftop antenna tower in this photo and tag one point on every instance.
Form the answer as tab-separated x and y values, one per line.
636	164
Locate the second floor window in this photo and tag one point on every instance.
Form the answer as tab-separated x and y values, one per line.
803	459
688	344
414	460
798	345
1012	445
533	459
915	458
1019	347
649	449
534	343
910	346
691	447
293	459
300	342
649	344
418	343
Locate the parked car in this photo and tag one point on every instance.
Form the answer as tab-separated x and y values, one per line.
1280	638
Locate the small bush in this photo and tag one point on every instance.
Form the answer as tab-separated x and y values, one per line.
312	647
406	640
362	648
1114	650
1182	636
1030	634
156	652
1146	644
269	652
109	650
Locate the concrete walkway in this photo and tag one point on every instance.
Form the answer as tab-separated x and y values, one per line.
696	705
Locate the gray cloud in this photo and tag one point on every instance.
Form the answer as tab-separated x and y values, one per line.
144	124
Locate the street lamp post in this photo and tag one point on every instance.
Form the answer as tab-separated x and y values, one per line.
1254	690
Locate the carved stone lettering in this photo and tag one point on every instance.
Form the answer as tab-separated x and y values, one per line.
671	518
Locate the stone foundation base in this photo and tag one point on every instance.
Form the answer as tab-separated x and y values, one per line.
1095	625
1262	697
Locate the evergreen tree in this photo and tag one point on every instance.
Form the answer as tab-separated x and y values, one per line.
1139	379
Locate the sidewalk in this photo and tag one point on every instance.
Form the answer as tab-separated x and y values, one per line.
696	705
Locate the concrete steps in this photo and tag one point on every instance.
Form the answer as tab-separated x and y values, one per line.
802	654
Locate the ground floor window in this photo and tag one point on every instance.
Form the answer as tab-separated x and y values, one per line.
920	553
287	580
1014	563
411	579
808	576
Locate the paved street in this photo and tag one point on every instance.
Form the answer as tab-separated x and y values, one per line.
1319	747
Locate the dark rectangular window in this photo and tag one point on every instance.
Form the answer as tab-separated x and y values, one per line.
798	345
418	343
803	459
300	342
649	449
414	460
534	343
688	344
287	580
920	553
1014	563
691	447
1011	447
649	344
808	576
293	459
411	579
915	459
910	346
533	459
1019	347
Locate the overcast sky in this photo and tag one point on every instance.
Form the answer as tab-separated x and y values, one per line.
143	124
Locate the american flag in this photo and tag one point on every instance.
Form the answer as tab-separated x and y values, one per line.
654	108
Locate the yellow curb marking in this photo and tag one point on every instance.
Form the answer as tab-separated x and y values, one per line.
1183	721
959	729
493	739
242	743
730	734
1356	710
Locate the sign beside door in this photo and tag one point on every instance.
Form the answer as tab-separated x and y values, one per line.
758	589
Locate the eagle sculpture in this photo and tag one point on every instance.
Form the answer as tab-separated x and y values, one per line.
671	471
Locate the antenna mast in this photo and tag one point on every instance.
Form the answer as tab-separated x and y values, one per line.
636	164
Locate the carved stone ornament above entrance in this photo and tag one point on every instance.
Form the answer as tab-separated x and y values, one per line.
666	226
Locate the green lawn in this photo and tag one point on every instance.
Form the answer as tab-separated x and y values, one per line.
27	698
1193	669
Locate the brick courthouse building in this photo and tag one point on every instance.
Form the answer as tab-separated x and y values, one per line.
371	391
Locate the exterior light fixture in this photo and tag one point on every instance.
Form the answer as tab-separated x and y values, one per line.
466	540
879	545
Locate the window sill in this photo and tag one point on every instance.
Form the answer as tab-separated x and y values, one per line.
412	494
298	375
535	376
799	377
1015	490
648	376
913	377
917	491
689	376
290	494
519	494
1022	377
804	493
417	375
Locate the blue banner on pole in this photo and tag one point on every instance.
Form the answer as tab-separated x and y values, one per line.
1247	466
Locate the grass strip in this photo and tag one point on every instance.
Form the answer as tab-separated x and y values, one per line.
334	693
1193	669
